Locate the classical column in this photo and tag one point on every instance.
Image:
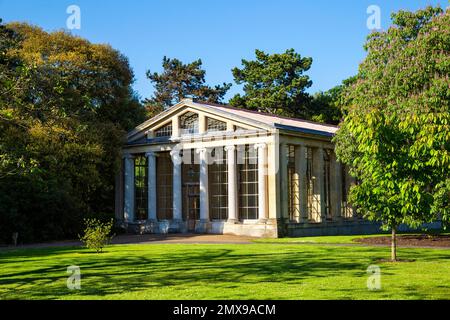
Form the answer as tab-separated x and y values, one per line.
129	188
232	184
177	187
336	191
204	199
204	192
262	197
319	186
151	160
284	181
301	166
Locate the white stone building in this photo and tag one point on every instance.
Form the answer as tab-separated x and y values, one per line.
209	168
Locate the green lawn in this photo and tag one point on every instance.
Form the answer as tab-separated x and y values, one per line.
318	240
255	271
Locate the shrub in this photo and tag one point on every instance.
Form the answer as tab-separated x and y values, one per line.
97	234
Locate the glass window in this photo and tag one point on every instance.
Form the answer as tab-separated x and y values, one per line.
141	187
189	123
312	214
164	191
218	184
165	131
191	185
293	181
216	125
248	182
327	182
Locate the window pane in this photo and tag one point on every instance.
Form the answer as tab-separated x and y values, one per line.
189	123
327	182
165	131
293	181
141	187
191	185
216	125
218	185
248	184
164	178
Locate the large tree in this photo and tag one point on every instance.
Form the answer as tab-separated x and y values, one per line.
326	107
274	83
179	80
12	81
396	134
63	117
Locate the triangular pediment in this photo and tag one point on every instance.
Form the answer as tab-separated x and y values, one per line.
181	119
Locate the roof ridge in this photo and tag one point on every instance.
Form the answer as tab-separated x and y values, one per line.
227	106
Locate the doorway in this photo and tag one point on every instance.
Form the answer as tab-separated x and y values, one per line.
192	208
191	190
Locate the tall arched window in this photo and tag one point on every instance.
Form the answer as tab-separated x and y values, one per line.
189	123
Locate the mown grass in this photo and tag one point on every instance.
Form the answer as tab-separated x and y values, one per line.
254	271
318	240
337	239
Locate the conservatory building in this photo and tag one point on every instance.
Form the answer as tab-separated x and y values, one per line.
206	168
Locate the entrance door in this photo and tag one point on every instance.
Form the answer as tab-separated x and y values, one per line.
192	205
191	191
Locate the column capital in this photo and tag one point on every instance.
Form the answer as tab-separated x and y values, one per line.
261	146
128	156
231	148
176	153
150	154
201	150
176	156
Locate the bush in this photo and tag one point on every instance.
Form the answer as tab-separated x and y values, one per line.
97	234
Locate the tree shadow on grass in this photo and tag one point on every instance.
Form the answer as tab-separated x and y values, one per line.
106	275
141	269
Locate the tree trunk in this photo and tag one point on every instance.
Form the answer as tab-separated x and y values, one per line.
394	244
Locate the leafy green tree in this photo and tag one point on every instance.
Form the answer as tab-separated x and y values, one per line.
274	84
13	78
65	107
327	107
396	134
77	78
178	81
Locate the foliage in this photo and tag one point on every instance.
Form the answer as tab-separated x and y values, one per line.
97	234
65	105
178	81
396	135
274	84
327	107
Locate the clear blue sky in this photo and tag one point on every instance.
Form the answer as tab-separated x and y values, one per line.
219	32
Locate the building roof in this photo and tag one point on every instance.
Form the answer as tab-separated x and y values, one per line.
275	120
258	119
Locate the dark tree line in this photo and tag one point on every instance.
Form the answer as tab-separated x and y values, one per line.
65	105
